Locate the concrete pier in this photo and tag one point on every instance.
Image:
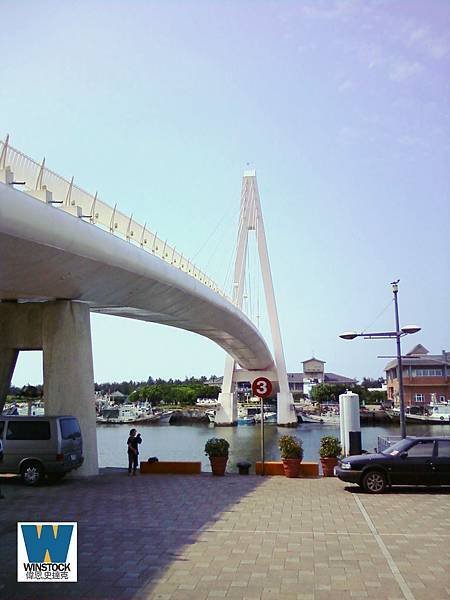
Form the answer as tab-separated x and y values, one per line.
61	329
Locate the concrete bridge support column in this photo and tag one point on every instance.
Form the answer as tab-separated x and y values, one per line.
62	330
8	358
226	413
69	372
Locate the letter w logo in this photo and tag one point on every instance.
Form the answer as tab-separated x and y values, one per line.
47	543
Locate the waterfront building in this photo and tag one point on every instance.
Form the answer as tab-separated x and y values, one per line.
425	377
117	397
313	373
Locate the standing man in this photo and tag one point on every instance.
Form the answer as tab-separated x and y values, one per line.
133	451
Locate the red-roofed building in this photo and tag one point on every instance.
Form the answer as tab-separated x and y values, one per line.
425	377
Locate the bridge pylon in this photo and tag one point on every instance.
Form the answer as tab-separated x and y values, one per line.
251	220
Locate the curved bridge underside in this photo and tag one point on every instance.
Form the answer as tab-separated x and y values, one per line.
47	254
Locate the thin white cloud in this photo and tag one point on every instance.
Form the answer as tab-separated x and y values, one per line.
422	38
402	70
432	40
345	86
439	49
328	10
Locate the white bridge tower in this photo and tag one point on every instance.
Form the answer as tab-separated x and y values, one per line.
251	220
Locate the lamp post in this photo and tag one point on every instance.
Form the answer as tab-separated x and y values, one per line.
397	334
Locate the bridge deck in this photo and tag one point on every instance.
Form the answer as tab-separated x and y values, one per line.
50	254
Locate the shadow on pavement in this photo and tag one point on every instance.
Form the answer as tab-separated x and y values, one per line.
130	529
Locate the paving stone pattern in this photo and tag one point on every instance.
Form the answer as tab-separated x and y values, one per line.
200	537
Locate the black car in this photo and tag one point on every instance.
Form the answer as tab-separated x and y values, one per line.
411	461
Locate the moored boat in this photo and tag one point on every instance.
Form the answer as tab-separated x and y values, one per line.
245	416
435	413
269	417
208	402
326	418
35	409
165	416
127	413
211	414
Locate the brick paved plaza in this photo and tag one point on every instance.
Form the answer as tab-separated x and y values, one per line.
196	537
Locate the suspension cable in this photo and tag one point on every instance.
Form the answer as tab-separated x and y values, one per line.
379	315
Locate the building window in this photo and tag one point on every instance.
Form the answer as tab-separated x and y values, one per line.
418	398
442	399
427	372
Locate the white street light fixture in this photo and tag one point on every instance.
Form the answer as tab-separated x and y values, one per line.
411	329
349	335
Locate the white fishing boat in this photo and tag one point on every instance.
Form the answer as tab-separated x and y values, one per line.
165	416
325	418
244	416
36	409
127	413
208	402
211	414
434	413
393	413
269	417
122	413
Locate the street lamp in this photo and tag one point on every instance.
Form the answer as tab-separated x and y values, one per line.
397	334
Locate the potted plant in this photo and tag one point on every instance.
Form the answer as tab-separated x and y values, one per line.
217	450
291	450
330	449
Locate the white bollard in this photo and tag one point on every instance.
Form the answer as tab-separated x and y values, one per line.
349	418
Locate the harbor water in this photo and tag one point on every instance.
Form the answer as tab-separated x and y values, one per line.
187	442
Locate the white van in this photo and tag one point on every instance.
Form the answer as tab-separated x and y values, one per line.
35	447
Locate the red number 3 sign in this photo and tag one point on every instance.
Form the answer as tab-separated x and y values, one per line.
262	387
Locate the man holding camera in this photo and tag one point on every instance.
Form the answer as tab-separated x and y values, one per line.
133	451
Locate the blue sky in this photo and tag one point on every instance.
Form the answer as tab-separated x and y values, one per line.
341	107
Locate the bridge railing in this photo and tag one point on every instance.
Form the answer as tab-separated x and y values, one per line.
68	196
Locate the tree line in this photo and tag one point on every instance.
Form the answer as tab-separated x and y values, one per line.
325	392
185	392
171	391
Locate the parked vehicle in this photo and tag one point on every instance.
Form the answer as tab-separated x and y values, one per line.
411	461
35	447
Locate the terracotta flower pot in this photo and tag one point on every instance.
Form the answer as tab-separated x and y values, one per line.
291	466
328	465
218	465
